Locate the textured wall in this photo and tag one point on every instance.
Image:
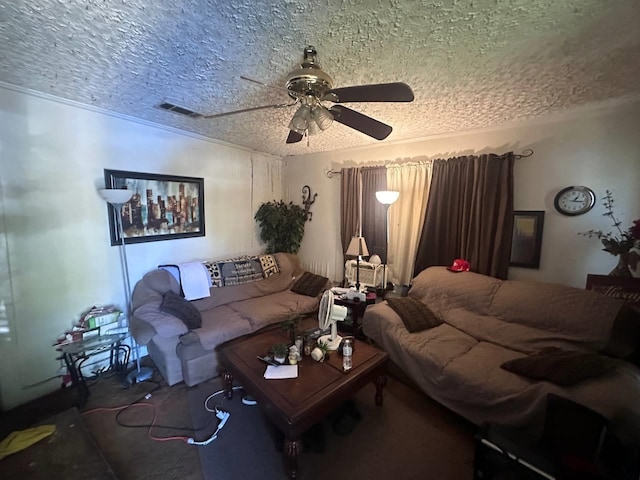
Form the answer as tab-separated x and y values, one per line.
471	63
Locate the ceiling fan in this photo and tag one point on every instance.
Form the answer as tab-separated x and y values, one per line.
312	89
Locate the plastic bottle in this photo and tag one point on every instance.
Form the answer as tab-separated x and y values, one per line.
347	351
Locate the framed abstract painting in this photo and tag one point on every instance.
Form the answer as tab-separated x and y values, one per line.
162	207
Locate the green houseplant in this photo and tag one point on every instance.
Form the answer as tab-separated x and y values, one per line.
281	226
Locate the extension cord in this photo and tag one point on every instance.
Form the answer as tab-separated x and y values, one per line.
223	415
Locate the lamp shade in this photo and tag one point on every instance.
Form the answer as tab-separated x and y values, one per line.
300	121
387	197
357	247
323	117
115	195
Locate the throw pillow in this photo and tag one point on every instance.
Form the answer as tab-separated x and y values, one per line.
309	284
415	315
558	366
181	308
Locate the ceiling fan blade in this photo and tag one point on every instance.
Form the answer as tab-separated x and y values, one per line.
362	123
275	87
294	137
280	105
380	92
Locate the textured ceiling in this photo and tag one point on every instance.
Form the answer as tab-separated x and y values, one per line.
471	64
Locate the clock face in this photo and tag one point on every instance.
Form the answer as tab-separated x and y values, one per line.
574	200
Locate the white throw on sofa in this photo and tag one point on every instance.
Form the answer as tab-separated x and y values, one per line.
486	322
229	312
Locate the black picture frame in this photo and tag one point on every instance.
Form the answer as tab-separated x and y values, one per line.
526	239
177	205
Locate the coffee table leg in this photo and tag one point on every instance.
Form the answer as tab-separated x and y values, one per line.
381	381
291	450
228	385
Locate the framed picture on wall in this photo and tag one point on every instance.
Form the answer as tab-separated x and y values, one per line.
163	207
526	240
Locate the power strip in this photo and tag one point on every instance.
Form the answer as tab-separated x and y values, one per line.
223	415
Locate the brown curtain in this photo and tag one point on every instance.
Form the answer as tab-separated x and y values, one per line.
374	221
470	214
349	205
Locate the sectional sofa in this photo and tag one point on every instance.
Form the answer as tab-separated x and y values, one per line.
181	353
483	322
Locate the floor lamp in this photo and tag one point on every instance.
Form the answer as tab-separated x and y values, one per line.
117	198
357	248
387	198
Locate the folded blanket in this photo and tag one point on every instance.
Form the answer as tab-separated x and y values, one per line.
194	279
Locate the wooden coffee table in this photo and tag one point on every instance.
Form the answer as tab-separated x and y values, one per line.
294	405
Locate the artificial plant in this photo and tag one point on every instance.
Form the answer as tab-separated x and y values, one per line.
281	226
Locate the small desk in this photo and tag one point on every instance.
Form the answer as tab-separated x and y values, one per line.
75	354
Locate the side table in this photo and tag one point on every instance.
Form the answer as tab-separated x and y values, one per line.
357	309
75	354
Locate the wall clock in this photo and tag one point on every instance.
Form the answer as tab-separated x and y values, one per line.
574	200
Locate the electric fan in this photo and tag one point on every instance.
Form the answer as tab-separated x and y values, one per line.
330	314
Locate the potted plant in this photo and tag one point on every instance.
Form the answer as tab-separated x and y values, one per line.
279	351
281	226
321	352
620	242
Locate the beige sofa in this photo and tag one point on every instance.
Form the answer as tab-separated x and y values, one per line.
229	312
487	322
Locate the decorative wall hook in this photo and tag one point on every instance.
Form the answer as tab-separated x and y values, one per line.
308	200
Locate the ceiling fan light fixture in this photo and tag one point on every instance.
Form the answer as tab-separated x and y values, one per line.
300	120
323	117
313	128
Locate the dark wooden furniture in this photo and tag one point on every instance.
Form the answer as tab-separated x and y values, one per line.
357	309
627	289
295	405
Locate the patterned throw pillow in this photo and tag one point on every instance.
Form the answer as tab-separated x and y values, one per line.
309	284
269	265
214	273
415	315
561	367
181	308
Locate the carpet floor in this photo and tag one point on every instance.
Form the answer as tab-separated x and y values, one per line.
408	437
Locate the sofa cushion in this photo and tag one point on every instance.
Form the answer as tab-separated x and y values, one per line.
562	367
278	307
584	316
309	284
415	315
219	325
152	287
443	290
181	308
165	325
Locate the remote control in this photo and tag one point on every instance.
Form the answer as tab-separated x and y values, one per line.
268	360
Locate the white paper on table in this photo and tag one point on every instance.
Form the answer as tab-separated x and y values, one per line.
282	371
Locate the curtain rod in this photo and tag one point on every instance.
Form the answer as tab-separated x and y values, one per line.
525	153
